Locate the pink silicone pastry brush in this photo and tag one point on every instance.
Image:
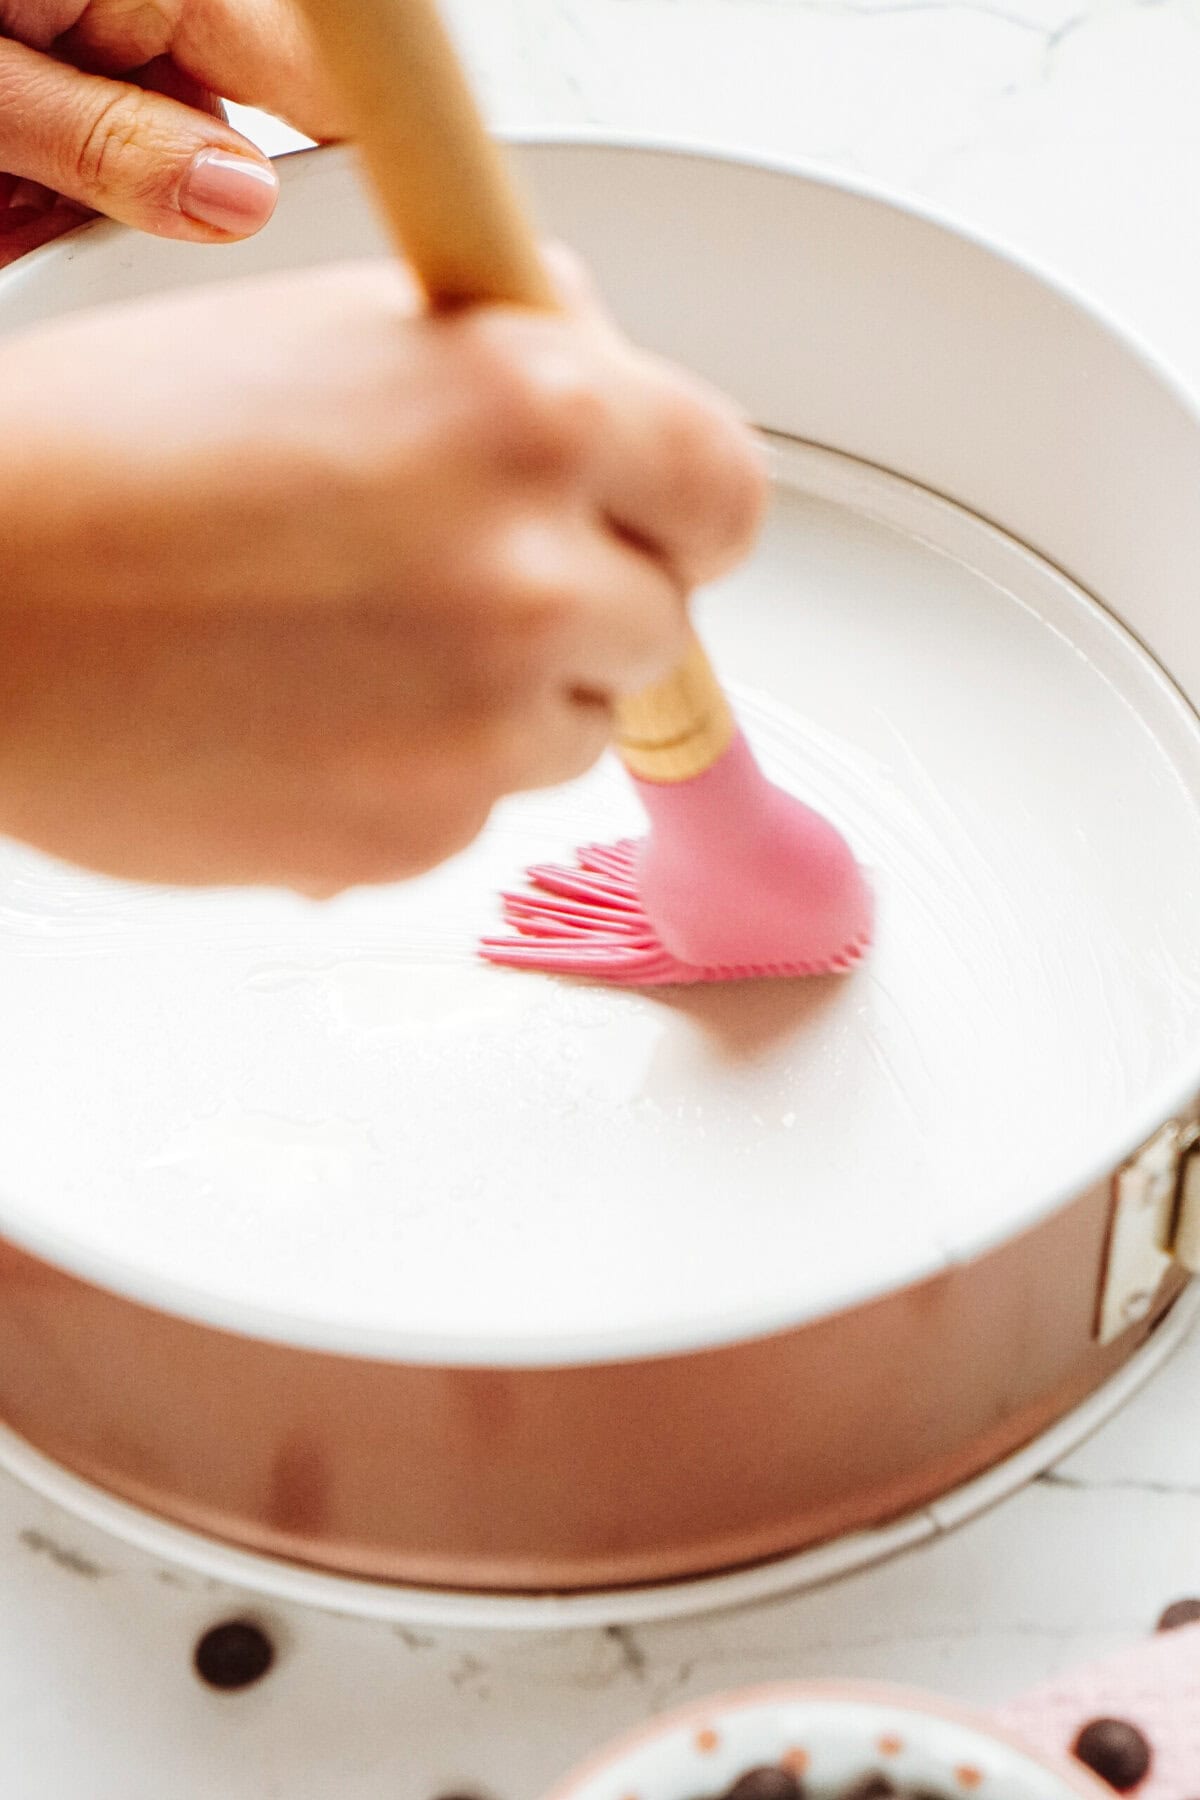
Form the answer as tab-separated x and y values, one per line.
735	877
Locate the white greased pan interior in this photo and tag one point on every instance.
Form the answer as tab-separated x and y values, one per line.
331	1126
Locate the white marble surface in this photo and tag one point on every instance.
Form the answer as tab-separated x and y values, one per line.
1074	132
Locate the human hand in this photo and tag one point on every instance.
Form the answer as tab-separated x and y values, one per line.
109	107
298	600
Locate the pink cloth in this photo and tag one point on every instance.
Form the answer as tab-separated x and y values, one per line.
1155	1686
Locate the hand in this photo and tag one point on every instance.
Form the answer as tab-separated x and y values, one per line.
300	598
109	106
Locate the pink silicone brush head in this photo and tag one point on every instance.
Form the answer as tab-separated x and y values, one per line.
736	879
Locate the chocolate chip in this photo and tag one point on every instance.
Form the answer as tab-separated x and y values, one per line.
1115	1751
1181	1612
233	1655
768	1783
871	1787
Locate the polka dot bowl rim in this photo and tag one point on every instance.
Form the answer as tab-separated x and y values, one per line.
830	1733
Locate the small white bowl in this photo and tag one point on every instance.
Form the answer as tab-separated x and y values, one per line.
829	1733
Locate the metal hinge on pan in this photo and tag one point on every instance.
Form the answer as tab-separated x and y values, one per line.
1155	1226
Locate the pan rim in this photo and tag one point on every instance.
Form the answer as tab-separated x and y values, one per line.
1168	1097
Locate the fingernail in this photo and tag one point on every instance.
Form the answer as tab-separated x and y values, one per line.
230	192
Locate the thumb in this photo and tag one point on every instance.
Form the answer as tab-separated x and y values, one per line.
135	155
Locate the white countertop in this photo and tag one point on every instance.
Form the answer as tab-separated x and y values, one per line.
1073	132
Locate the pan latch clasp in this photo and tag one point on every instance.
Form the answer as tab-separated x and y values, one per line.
1155	1226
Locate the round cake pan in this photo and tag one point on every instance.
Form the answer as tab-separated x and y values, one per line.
323	1240
273	1580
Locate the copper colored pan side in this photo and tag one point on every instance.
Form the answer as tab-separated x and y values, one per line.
562	1479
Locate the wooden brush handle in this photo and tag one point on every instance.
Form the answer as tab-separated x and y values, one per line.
451	207
440	180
